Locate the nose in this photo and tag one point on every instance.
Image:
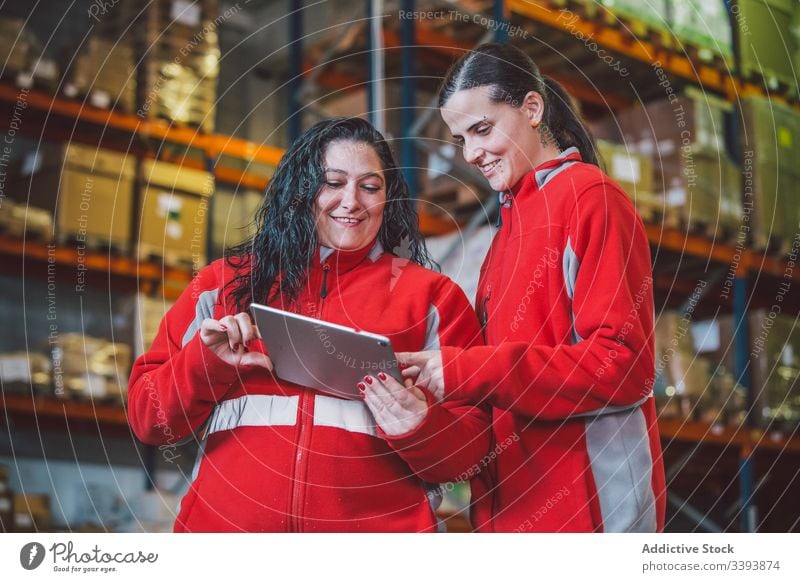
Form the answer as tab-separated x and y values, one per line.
472	153
350	200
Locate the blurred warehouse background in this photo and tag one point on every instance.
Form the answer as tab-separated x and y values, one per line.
138	137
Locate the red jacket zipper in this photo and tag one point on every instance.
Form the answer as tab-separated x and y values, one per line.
305	413
485	311
504	226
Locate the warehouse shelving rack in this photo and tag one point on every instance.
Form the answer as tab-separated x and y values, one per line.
416	43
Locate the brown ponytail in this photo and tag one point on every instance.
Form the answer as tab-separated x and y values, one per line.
564	122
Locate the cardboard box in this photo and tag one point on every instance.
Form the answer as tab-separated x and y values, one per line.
704	25
15	46
176	45
173	213
175	177
766	41
25	371
232	218
770	141
684	140
775	371
632	171
6	501
705	186
661	128
106	71
173	227
89	191
92	367
32	513
18	219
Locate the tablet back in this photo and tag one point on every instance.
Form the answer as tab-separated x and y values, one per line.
320	355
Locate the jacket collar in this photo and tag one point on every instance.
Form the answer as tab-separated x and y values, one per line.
541	174
344	261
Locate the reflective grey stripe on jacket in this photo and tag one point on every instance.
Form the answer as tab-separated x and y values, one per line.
618	445
203	309
275	410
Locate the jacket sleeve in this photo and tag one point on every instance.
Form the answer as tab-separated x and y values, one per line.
610	363
175	385
454	436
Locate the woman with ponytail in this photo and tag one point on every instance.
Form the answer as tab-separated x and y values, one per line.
566	303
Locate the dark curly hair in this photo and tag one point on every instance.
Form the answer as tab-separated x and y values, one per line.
274	262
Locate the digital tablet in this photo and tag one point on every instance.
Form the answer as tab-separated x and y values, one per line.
320	355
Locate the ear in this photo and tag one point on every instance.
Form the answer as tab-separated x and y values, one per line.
533	108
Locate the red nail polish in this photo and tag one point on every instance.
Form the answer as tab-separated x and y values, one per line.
235	347
382	376
368	379
361	387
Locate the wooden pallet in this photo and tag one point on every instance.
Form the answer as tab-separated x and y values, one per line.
634	29
94	243
772	84
100	99
151	254
18	221
706	56
768	243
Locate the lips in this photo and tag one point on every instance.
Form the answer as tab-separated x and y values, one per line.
347	221
489	168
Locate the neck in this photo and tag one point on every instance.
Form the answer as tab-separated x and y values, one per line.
542	155
545	154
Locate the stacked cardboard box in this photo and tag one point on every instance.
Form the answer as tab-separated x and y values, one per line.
32	513
6	501
18	219
695	378
25	372
703	25
796	34
698	183
173	214
632	171
641	19
105	70
177	45
775	352
92	368
771	144
15	45
22	57
766	41
88	190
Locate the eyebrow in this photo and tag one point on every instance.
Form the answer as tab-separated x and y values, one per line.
471	127
367	175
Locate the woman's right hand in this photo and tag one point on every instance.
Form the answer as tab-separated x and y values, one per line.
229	337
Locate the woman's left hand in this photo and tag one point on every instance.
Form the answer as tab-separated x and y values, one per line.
397	409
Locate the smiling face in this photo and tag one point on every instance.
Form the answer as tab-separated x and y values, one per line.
348	210
497	138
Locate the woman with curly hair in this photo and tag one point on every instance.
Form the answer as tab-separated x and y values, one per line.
276	456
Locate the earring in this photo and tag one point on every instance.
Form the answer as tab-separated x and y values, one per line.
535	124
